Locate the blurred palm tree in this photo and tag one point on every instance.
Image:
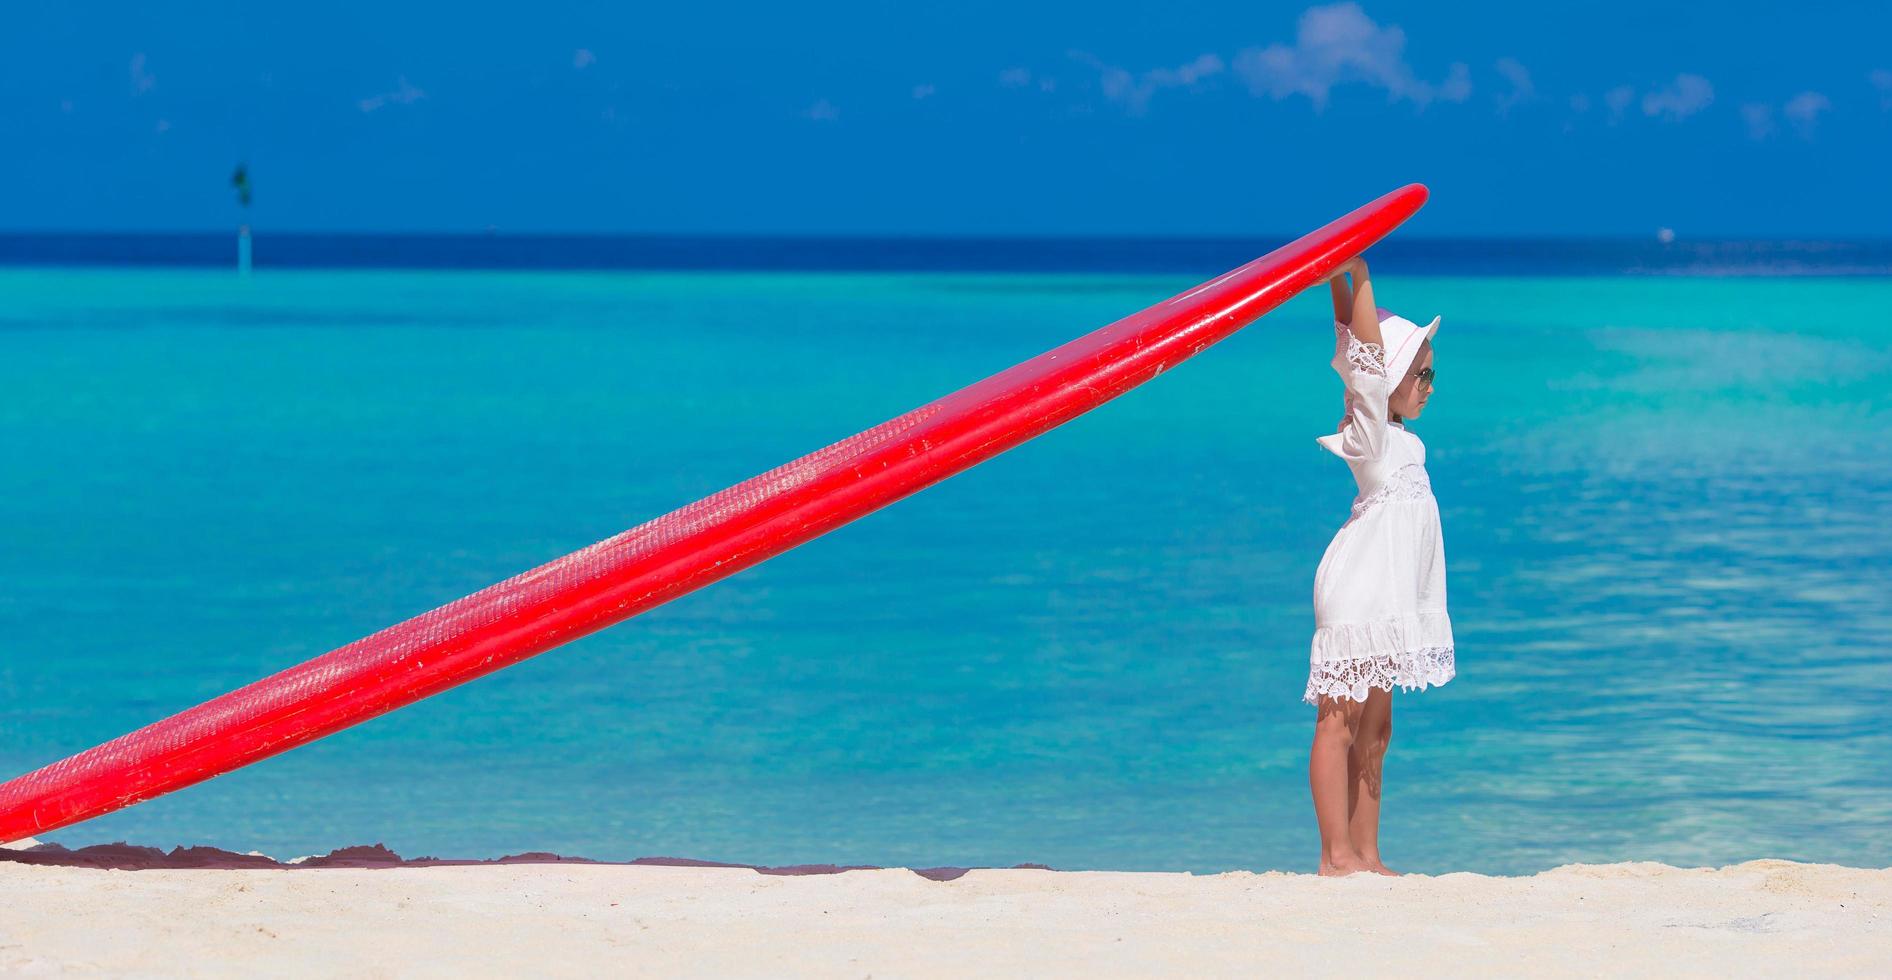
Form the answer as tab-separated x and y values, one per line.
241	181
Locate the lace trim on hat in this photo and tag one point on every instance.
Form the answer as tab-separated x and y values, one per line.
1370	358
1413	670
1409	482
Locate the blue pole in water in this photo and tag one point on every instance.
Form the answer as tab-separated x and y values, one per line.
243	250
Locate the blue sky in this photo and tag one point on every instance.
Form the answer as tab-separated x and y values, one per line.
973	117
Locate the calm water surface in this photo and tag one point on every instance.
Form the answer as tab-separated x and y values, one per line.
1665	503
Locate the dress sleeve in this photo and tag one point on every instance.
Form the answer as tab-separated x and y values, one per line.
1363	431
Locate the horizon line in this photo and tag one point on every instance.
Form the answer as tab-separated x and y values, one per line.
1233	237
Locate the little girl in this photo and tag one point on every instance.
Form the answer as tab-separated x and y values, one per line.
1379	596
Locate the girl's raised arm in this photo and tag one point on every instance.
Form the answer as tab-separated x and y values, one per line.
1358	311
1342	293
1363	433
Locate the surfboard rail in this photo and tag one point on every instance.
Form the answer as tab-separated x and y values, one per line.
684	550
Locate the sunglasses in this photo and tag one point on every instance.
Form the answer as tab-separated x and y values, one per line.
1424	377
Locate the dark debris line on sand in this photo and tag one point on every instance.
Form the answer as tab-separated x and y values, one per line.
132	857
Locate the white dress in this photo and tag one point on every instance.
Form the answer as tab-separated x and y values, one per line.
1379	596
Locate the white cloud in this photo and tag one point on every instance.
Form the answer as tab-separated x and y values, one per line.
1522	90
1195	71
583	59
1116	82
1457	86
404	94
1336	44
924	91
1804	110
1135	91
1684	97
1618	99
141	80
823	111
1015	77
1881	79
1759	117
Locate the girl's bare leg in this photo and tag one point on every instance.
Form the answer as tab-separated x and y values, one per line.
1372	733
1328	776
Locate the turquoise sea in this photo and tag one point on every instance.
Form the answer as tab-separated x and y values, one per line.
1666	504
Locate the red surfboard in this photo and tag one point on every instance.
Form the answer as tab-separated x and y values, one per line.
684	550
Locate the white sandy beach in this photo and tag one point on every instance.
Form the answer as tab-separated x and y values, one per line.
1759	918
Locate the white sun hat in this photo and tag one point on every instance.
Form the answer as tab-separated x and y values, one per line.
1401	339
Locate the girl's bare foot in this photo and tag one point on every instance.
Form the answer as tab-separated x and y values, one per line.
1371	858
1341	865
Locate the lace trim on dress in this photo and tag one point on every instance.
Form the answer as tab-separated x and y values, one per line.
1413	670
1340	642
1370	358
1409	482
